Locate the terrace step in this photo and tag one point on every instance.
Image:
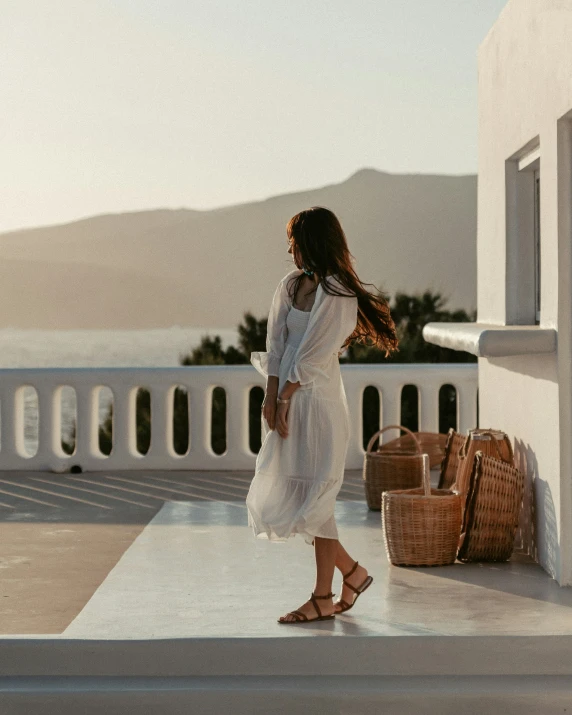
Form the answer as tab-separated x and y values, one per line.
278	695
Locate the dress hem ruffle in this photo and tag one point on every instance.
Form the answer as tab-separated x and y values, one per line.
265	531
302	522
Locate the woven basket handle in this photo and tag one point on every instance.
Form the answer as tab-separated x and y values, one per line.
494	439
463	448
426	476
509	445
376	435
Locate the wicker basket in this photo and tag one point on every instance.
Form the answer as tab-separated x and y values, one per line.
492	510
450	462
421	527
491	442
431	443
387	469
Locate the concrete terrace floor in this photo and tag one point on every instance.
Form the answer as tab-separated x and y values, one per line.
62	534
151	555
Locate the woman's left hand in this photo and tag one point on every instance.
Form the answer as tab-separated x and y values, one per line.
282	409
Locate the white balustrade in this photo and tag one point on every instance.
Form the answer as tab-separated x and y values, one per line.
199	382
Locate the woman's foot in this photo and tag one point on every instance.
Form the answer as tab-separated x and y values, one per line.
356	579
325	606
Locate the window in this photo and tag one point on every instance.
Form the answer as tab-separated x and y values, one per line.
523	240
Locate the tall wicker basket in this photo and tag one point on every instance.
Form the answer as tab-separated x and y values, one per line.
421	527
493	443
492	510
386	469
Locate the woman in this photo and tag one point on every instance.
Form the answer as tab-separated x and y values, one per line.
318	309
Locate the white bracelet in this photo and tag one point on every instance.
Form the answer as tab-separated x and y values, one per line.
282	401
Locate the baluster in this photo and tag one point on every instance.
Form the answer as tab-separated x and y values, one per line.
49	417
390	409
429	407
11	405
161	422
124	452
200	455
237	455
466	407
87	426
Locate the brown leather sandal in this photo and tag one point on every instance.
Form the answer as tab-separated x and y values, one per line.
303	618
345	606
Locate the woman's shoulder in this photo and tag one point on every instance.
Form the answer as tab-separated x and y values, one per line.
293	273
290	276
333	281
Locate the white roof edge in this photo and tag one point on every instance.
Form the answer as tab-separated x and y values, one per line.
493	27
489	340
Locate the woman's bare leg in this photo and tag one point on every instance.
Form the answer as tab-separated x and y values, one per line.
344	562
325	551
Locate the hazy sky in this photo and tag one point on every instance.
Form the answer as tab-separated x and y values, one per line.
119	105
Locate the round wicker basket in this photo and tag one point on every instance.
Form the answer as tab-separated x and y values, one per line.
388	469
421	527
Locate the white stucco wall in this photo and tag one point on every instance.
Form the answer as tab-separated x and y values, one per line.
525	91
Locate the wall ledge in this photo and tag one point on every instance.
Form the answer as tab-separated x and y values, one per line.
489	340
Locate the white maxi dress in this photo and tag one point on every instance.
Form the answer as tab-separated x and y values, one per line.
297	478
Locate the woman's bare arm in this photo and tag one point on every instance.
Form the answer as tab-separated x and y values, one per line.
288	390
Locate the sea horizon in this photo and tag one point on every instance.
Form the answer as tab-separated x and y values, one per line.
100	347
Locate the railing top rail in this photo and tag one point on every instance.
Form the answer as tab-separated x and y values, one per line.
364	367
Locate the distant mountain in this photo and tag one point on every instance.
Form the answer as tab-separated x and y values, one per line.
152	269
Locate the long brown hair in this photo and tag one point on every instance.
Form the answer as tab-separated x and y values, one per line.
319	244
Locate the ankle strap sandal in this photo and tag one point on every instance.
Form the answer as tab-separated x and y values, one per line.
344	605
300	617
